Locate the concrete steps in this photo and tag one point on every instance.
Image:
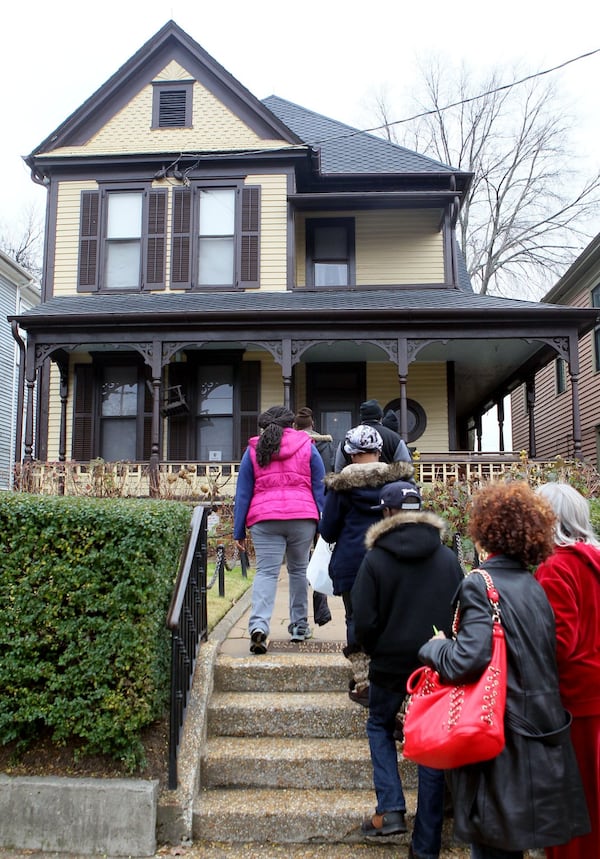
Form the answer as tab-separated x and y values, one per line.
286	759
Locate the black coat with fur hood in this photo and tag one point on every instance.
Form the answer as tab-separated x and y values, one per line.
348	514
405	586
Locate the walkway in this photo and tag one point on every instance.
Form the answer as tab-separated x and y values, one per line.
330	636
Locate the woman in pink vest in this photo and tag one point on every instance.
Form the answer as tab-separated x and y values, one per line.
279	498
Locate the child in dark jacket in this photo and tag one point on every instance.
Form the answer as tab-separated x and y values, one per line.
403	591
347	514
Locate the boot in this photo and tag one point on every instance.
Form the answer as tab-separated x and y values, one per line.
359	685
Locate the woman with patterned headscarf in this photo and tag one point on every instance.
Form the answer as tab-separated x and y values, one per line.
279	498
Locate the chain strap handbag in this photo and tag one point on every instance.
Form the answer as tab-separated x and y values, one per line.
451	725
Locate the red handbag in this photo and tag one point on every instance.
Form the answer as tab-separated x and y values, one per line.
450	725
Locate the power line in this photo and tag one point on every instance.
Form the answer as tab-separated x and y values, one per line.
354	132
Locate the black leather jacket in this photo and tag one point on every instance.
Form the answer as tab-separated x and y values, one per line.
530	795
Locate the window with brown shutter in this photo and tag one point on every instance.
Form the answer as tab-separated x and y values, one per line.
215	240
122	238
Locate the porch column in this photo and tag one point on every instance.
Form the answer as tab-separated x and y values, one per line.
286	371
500	411
402	380
25	482
530	389
63	369
478	431
156	369
574	374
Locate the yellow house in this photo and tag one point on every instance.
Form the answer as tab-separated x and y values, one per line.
209	254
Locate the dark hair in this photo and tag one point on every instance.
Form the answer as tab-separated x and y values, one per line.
509	518
272	423
304	418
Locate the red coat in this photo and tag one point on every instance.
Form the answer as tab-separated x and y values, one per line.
571	579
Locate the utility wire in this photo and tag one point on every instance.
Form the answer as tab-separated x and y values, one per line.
462	101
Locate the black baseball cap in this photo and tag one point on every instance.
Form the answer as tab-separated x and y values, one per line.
399	495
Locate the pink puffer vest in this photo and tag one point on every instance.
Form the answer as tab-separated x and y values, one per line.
283	489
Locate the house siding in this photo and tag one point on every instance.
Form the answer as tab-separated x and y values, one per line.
426	385
552	411
273	231
214	127
391	247
16	296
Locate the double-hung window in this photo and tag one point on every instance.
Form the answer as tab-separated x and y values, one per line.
330	252
215	236
122	239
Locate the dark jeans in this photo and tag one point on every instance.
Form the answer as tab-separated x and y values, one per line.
352	646
427	832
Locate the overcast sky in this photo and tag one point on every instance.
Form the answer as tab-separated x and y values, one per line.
329	56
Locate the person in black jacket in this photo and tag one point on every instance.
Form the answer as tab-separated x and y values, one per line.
403	591
394	448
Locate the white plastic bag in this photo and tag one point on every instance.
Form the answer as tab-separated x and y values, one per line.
317	571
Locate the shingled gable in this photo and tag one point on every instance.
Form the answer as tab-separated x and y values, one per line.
170	43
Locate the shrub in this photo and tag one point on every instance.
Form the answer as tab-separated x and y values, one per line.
85	585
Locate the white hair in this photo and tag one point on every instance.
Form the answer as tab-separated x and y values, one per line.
572	514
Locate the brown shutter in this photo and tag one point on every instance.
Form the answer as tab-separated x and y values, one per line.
83	413
249	401
179	426
89	242
180	251
156	237
249	239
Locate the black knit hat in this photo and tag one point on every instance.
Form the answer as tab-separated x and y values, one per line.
370	411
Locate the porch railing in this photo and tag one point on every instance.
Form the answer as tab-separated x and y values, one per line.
187	620
203	482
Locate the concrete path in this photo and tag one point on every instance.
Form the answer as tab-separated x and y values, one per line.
237	638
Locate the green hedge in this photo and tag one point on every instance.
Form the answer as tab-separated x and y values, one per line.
85	585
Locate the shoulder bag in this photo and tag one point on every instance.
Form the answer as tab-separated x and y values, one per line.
451	725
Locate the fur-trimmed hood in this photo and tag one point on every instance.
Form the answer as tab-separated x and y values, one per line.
394	535
368	474
318	436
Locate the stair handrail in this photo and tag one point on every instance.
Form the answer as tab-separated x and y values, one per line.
187	619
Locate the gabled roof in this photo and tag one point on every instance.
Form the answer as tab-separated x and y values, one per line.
585	268
170	43
347	150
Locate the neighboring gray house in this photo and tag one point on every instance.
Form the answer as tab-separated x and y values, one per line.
18	292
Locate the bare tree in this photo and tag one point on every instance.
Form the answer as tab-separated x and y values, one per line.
525	216
23	240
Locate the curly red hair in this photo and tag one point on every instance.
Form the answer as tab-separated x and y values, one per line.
510	519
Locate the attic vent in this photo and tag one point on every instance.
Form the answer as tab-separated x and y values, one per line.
172	105
171	112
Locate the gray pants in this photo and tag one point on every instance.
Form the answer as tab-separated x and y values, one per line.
274	540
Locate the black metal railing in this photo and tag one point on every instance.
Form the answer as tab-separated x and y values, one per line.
223	564
188	621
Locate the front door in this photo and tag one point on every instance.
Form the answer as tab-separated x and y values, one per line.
334	392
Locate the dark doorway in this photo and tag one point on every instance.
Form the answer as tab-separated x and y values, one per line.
334	392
